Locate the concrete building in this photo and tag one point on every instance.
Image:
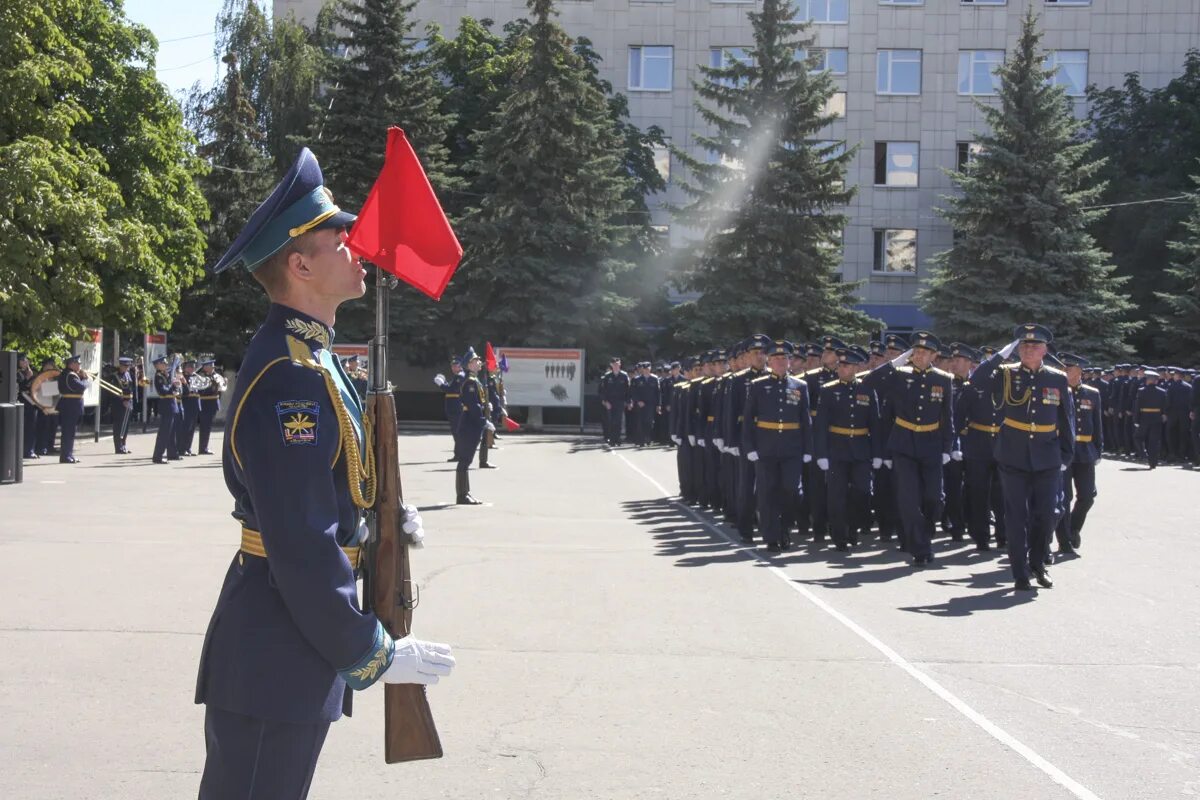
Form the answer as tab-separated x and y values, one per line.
908	72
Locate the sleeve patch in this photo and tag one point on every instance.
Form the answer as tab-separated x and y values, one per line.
298	421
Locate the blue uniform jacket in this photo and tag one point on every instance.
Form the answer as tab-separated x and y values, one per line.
1089	424
70	389
1037	429
1150	404
978	421
776	422
168	393
210	398
472	409
614	388
645	390
1179	399
452	399
922	406
735	405
288	636
847	423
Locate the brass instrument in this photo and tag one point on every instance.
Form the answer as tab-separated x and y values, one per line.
198	382
45	396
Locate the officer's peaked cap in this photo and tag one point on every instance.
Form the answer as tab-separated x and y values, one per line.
780	347
848	355
926	340
1072	360
1031	332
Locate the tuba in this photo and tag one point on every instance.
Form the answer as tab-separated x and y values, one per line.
199	383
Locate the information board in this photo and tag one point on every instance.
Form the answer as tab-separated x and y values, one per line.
546	377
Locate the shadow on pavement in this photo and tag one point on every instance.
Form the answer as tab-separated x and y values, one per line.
965	606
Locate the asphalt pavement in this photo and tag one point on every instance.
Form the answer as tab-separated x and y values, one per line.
612	643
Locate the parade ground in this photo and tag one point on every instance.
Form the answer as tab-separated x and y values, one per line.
614	644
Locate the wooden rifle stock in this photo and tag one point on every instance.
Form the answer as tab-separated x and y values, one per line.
410	733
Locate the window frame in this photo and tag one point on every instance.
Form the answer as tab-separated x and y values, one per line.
807	55
1052	60
828	5
879	242
887	160
971	62
891	60
640	50
972	150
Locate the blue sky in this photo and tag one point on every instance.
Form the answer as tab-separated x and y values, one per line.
185	36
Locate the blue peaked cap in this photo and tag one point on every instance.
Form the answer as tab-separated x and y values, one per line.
298	204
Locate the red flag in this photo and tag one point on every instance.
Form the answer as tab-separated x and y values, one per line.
492	366
512	424
402	228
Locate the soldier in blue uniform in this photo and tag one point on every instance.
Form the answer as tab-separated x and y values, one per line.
733	416
1149	414
126	381
978	420
289	639
451	395
29	409
776	435
726	464
473	424
166	442
814	509
645	395
1035	445
189	411
72	383
959	364
706	411
614	396
210	403
847	447
1079	479
677	422
922	437
1179	403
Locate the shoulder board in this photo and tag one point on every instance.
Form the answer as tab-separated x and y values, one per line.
1054	371
942	373
813	371
906	369
1014	365
830	384
741	372
682	384
706	380
762	378
301	354
1091	389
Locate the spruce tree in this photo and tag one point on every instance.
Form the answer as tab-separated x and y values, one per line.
541	246
769	207
220	313
1023	251
1182	325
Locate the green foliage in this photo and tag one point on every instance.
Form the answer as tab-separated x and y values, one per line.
1023	251
1144	135
769	207
542	247
99	225
1182	321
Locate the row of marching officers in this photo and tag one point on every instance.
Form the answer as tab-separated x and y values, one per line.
831	440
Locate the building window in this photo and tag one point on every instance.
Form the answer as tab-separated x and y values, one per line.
834	59
1070	70
1068	2
977	71
967	152
896	251
983	2
662	161
835	106
897	163
828	12
901	2
650	68
722	57
898	72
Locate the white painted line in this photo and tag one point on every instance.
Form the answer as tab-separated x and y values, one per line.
999	734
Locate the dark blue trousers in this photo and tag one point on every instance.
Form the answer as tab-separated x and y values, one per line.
185	430
207	414
984	499
256	759
29	445
919	496
165	442
1079	483
47	427
884	502
69	412
1030	502
683	464
778	489
746	507
615	417
848	492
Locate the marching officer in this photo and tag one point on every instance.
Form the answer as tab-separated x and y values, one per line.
25	376
189	407
289	639
452	394
644	392
922	437
847	447
1149	414
210	403
72	383
1079	479
814	505
1179	403
614	396
959	364
733	416
678	423
166	442
126	381
706	429
472	425
776	435
1035	445
978	420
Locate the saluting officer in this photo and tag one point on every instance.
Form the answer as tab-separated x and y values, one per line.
451	395
1035	445
210	403
166	442
1149	414
72	383
921	439
776	435
847	447
614	396
978	420
289	638
126	381
1079	479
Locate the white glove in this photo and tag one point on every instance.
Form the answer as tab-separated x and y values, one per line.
1064	468
1008	349
676	440
956	455
876	463
412	525
807	457
733	451
902	359
439	379
491	426
752	455
823	463
720	443
945	459
691	440
419	662
887	462
700	442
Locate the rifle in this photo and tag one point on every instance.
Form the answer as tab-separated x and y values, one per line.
409	730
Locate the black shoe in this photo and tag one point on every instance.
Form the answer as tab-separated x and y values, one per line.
982	546
1001	541
774	547
488	466
1022	585
1065	552
206	452
175	458
843	548
68	460
32	455
467	500
187	453
1043	579
1075	540
159	460
451	458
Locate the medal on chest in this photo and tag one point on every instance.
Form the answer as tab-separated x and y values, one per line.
1050	396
